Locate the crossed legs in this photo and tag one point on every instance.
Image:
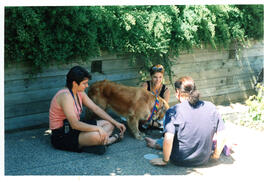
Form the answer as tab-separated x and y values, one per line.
93	138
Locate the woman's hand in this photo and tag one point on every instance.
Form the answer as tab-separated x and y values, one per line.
122	128
158	162
103	135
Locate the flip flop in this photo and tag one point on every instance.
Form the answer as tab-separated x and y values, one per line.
155	125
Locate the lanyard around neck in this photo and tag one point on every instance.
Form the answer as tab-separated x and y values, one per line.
75	101
155	109
157	90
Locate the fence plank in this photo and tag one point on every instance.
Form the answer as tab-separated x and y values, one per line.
217	65
219	77
18	110
224	99
26	121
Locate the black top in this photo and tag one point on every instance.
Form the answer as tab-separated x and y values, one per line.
163	89
194	128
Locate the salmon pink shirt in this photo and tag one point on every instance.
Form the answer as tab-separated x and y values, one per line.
56	113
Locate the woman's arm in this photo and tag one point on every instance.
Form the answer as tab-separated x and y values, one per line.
221	140
167	149
167	146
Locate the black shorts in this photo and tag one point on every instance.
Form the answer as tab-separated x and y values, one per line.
69	139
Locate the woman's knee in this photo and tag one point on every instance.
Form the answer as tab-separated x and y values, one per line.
89	139
110	125
106	125
97	139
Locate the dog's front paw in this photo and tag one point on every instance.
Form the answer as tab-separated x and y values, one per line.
142	134
138	137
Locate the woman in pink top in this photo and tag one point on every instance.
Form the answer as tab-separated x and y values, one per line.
68	131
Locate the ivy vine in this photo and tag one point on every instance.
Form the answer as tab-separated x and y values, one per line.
39	36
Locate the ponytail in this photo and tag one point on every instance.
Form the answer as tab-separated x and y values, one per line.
187	88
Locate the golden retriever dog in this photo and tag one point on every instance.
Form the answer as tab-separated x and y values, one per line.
134	103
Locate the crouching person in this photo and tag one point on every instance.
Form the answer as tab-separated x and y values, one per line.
68	131
191	127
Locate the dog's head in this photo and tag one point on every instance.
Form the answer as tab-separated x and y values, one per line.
161	109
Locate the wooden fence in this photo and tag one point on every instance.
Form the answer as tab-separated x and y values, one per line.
219	76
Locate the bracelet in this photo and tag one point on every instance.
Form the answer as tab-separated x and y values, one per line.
164	160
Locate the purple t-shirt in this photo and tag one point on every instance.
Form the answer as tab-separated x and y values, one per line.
194	128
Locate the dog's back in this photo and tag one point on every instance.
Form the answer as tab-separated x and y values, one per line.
134	103
123	99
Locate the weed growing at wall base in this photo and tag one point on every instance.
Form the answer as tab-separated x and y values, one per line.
255	115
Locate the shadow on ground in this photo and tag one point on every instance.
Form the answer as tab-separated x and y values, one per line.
30	153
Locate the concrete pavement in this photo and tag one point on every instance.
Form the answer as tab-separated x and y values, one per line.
30	153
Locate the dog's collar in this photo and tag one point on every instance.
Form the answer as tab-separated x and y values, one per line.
154	110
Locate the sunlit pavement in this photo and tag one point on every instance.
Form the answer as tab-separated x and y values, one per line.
30	153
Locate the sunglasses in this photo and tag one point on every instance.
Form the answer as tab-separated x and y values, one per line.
157	68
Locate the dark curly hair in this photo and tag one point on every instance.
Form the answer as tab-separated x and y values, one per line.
77	74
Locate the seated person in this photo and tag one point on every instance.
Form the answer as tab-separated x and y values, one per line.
68	131
190	128
156	86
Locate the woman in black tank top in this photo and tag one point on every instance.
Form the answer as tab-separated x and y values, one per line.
155	84
162	91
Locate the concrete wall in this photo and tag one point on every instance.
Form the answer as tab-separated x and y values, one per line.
219	76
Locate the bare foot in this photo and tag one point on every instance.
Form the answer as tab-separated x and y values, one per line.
152	143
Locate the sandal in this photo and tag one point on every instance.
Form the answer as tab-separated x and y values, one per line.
155	125
117	137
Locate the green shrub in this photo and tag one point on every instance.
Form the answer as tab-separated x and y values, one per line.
255	118
39	36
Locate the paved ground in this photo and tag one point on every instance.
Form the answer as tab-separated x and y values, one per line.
30	153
